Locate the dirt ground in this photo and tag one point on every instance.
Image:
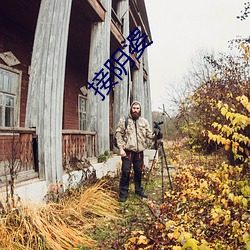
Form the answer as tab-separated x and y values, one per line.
137	213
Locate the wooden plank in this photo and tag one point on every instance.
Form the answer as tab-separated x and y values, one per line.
116	19
77	132
137	19
17	130
92	9
133	20
97	8
117	33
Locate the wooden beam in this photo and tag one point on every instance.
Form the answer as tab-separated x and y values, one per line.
17	130
93	9
119	37
144	27
117	33
137	19
133	18
98	9
77	132
137	63
116	19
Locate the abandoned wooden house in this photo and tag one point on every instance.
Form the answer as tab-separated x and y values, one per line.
49	50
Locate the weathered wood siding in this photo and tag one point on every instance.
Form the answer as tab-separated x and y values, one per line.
147	95
138	86
98	110
45	96
121	92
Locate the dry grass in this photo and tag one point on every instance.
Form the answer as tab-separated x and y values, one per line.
60	225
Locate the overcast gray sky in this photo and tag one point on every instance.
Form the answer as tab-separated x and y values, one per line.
181	28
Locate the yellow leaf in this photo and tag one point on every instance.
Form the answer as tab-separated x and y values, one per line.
223	141
245	202
218	139
133	240
204	247
246	239
228	115
227	220
184	236
201	211
184	199
235	225
227	147
170	236
223	111
176	234
238	98
169	224
204	242
191	243
248	107
245	191
142	240
137	232
244	100
185	218
224	202
176	248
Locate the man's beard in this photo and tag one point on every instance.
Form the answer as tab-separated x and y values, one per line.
135	115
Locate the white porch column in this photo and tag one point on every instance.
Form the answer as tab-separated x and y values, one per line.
121	92
45	95
98	110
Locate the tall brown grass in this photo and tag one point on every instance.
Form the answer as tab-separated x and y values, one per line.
62	225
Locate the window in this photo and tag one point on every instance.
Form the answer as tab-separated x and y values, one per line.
9	97
82	101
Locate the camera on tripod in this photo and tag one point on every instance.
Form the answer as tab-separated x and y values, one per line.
159	148
157	131
157	125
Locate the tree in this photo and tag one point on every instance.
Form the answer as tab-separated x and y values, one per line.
246	12
220	78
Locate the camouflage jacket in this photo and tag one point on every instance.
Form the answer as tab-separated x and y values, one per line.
136	134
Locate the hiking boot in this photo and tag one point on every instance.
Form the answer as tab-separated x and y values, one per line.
122	199
142	195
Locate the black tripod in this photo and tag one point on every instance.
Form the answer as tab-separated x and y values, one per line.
159	148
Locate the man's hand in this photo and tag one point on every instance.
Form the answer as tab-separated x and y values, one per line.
122	152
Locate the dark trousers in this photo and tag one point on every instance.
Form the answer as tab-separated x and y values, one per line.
135	158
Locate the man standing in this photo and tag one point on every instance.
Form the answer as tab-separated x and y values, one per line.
132	141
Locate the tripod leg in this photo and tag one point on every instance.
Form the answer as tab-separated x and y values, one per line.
165	158
150	170
162	178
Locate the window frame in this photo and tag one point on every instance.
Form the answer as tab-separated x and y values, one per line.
79	112
17	96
